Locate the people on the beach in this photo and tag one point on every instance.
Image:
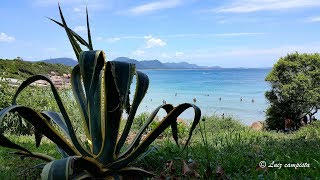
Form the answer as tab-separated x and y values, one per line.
222	116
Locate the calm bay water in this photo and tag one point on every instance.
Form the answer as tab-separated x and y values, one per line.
208	86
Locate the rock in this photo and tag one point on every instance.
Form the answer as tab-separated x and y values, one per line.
258	125
182	122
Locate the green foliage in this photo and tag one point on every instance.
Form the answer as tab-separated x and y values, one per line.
42	99
101	89
238	150
234	147
295	89
22	69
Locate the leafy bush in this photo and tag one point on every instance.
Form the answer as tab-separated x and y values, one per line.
295	89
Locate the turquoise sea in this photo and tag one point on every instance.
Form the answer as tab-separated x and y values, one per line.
208	86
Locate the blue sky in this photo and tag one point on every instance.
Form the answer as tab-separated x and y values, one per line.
227	33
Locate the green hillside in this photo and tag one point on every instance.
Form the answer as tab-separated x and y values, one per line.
20	69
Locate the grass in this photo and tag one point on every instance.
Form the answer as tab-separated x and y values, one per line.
230	145
13	167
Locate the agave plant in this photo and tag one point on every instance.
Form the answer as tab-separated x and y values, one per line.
101	89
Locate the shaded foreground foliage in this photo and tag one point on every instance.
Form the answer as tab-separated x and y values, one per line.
232	146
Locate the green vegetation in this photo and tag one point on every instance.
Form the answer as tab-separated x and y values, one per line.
295	93
20	69
232	146
101	89
42	99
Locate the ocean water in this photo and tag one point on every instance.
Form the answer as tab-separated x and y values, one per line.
208	86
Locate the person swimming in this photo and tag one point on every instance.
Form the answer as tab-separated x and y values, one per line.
241	99
252	100
194	100
219	98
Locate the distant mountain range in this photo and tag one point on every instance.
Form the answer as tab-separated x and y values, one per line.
64	61
145	64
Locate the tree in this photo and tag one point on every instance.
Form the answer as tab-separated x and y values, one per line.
295	89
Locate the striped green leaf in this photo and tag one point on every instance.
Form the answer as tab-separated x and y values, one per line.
165	123
39	122
62	109
142	84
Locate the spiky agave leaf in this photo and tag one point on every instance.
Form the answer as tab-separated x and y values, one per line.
62	109
151	136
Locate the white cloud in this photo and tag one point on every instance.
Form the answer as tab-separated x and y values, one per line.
55	2
248	6
313	19
113	39
80	29
154	6
138	53
99	38
109	40
154	42
51	49
78	10
179	54
6	38
165	56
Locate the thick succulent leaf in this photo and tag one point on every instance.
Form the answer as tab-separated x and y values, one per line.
92	166
41	156
91	64
5	142
78	38
111	120
88	28
165	123
62	109
73	167
136	140
62	152
78	92
82	176
174	126
59	169
40	123
38	136
142	84
123	73
76	48
57	118
134	171
146	153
